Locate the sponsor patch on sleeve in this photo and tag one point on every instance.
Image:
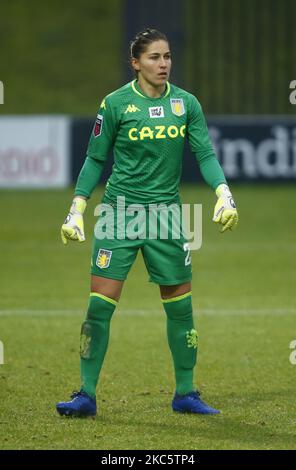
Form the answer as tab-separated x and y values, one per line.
98	125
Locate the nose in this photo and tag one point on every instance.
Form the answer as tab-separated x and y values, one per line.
163	63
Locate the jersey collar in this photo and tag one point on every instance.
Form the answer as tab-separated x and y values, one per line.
139	92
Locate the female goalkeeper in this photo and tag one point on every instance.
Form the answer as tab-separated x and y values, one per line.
145	123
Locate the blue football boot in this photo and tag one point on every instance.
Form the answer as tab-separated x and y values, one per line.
81	405
192	403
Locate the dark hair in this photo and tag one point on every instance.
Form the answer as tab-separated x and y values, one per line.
139	44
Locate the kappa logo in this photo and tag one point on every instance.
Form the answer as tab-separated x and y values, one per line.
156	112
85	346
192	339
177	106
131	109
103	104
104	258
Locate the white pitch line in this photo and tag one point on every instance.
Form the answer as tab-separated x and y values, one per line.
147	312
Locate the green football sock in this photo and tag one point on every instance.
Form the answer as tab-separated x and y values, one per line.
182	338
94	340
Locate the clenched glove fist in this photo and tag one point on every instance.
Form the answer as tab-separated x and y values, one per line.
73	228
225	212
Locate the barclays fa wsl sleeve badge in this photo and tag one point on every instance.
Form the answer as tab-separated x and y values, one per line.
98	126
177	106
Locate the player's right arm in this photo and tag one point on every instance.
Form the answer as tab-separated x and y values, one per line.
100	143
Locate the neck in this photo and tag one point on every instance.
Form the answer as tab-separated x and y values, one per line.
151	90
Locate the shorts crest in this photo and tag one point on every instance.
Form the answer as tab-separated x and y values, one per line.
103	258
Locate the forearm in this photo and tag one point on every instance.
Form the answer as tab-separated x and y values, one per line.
89	177
211	170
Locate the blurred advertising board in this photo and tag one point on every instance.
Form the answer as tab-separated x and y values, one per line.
249	148
255	147
34	151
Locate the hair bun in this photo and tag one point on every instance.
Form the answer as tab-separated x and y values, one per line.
142	39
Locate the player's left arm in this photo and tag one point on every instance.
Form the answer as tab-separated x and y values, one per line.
225	212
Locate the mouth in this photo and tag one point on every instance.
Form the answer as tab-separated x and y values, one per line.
162	75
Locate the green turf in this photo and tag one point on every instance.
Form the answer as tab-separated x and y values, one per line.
243	293
61	57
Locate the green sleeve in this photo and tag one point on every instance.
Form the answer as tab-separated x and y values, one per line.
201	145
100	143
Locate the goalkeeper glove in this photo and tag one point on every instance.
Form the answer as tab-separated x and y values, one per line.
225	212
72	228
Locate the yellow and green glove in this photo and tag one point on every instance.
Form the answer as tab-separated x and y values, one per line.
225	212
73	228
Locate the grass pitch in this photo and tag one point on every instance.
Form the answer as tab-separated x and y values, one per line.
244	300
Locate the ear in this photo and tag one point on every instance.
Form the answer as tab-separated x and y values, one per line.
135	64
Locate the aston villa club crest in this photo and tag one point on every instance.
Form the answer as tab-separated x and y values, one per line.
104	258
98	125
177	106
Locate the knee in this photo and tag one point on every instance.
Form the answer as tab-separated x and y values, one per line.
170	292
100	307
109	288
179	308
